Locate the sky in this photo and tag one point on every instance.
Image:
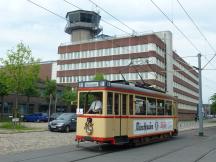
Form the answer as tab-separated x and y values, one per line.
43	32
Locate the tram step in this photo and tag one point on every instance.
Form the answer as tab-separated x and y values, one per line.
121	139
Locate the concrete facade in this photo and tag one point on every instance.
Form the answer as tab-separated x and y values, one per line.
151	55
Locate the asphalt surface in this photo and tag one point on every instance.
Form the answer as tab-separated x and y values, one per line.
187	147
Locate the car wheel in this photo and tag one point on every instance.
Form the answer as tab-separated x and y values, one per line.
67	129
38	120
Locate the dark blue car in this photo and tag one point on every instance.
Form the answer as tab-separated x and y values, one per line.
36	117
64	123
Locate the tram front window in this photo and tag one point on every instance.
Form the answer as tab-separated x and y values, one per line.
91	102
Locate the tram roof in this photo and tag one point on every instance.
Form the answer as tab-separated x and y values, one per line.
123	86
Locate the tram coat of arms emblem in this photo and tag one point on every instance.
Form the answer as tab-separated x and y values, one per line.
89	127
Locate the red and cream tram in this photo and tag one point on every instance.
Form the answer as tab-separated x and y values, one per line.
128	114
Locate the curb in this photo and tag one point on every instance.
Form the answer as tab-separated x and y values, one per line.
15	132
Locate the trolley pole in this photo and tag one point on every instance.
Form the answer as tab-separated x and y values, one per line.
200	97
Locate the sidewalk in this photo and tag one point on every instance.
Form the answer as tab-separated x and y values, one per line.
188	125
34	127
182	126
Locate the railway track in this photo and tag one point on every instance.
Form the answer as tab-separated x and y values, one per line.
93	149
88	151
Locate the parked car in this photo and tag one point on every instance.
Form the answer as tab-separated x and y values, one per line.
64	123
36	117
55	115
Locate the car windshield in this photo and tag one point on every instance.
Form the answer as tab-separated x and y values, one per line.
66	117
55	114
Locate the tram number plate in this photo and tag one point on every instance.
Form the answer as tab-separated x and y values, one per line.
87	138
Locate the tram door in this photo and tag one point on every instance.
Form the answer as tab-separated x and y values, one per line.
120	113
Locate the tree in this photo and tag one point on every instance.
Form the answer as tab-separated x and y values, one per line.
69	96
30	91
19	67
50	92
213	105
99	76
4	90
31	88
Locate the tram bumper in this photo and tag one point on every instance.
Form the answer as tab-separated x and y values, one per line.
94	139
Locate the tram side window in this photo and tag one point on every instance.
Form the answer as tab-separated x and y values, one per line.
124	105
109	103
151	106
116	104
168	108
160	107
140	105
131	105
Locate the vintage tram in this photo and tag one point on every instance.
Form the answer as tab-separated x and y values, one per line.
129	113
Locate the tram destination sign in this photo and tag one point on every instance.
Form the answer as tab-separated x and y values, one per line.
152	126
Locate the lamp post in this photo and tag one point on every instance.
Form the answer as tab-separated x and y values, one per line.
200	97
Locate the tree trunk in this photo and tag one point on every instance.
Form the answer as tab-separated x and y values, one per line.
55	104
28	103
49	107
16	106
2	107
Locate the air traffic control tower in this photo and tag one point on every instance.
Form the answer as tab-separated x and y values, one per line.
82	25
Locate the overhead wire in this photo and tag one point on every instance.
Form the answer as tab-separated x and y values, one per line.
118	21
47	10
122	23
208	62
68	20
112	16
101	18
44	8
201	33
167	17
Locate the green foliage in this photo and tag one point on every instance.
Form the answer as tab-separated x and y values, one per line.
21	70
99	76
31	88
50	88
69	96
50	93
20	67
4	90
9	125
213	105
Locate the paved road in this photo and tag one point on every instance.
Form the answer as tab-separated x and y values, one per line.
11	142
187	147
